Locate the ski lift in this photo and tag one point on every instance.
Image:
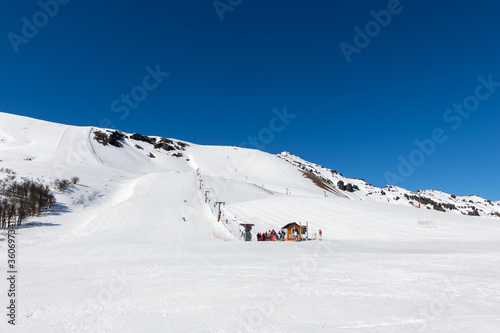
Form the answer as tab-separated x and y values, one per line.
248	231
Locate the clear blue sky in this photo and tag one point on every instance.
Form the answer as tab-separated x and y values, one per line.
226	77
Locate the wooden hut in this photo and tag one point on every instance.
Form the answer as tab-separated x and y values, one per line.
289	228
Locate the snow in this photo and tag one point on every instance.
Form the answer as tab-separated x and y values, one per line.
394	194
116	256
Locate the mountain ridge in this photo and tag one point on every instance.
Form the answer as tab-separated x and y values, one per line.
430	199
89	145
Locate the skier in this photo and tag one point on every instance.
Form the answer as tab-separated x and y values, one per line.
320	234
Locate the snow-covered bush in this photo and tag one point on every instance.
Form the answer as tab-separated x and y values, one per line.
61	184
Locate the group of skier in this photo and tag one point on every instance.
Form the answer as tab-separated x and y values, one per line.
271	235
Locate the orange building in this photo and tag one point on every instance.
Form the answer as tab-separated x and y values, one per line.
289	228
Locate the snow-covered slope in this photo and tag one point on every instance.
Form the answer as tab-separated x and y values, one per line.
133	246
361	190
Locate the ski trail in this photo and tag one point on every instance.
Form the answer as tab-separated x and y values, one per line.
91	148
72	148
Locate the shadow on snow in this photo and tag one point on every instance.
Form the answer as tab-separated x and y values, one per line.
57	209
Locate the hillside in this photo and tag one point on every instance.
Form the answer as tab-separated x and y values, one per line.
134	247
328	179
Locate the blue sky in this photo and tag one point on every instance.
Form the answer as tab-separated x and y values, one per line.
225	78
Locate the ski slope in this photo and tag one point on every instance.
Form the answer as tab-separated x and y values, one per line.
134	247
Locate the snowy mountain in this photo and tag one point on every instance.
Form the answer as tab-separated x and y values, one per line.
359	189
134	244
40	149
